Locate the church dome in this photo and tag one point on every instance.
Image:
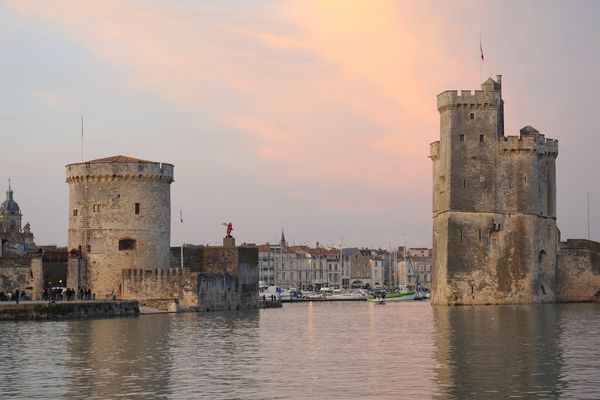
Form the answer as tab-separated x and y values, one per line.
9	206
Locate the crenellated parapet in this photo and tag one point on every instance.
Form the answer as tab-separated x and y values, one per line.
468	100
120	171
488	98
160	273
530	141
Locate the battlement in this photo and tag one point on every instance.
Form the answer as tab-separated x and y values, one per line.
530	140
105	171
162	273
489	97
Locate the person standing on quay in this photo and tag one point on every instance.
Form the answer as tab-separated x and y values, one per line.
17	294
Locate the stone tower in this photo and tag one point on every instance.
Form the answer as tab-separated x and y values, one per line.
119	217
495	239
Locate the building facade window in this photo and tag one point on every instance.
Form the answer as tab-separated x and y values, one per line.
137	208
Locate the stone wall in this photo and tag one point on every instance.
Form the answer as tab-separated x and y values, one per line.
214	278
579	271
23	273
160	283
68	310
229	279
248	277
207	259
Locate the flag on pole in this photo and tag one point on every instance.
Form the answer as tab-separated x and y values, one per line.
181	215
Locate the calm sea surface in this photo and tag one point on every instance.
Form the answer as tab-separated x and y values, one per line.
311	350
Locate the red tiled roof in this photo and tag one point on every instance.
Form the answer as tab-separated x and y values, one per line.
264	247
123	159
323	251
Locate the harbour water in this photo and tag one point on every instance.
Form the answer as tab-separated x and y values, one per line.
311	350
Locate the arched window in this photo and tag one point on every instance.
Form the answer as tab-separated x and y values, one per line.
127	244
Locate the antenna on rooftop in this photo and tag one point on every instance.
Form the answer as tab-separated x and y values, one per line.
81	137
588	216
181	249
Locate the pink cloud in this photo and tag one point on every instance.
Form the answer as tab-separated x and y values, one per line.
339	90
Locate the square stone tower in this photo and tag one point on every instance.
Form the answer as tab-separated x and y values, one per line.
495	239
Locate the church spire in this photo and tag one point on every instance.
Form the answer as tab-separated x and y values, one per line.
283	243
9	192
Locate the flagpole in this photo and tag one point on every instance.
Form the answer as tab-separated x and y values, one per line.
588	215
81	137
181	219
480	61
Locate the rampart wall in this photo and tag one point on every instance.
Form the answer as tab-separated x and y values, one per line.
161	283
579	271
220	279
23	273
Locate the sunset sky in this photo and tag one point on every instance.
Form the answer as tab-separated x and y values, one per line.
314	115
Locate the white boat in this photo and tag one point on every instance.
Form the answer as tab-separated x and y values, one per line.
269	291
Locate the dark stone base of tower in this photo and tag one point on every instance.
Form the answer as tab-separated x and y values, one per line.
495	238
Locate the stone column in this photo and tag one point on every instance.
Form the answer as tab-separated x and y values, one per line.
228	241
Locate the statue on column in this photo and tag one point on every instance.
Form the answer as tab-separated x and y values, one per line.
229	228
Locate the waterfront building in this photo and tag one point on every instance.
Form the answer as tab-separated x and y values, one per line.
414	267
366	267
300	267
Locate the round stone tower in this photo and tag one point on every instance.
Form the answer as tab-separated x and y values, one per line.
119	217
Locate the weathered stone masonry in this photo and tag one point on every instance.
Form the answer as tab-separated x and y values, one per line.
495	238
119	217
219	278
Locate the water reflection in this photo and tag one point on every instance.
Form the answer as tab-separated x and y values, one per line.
118	357
509	351
315	350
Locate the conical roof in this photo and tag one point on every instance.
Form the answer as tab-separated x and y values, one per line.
119	158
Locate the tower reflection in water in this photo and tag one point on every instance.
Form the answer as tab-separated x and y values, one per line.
158	355
498	351
119	357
